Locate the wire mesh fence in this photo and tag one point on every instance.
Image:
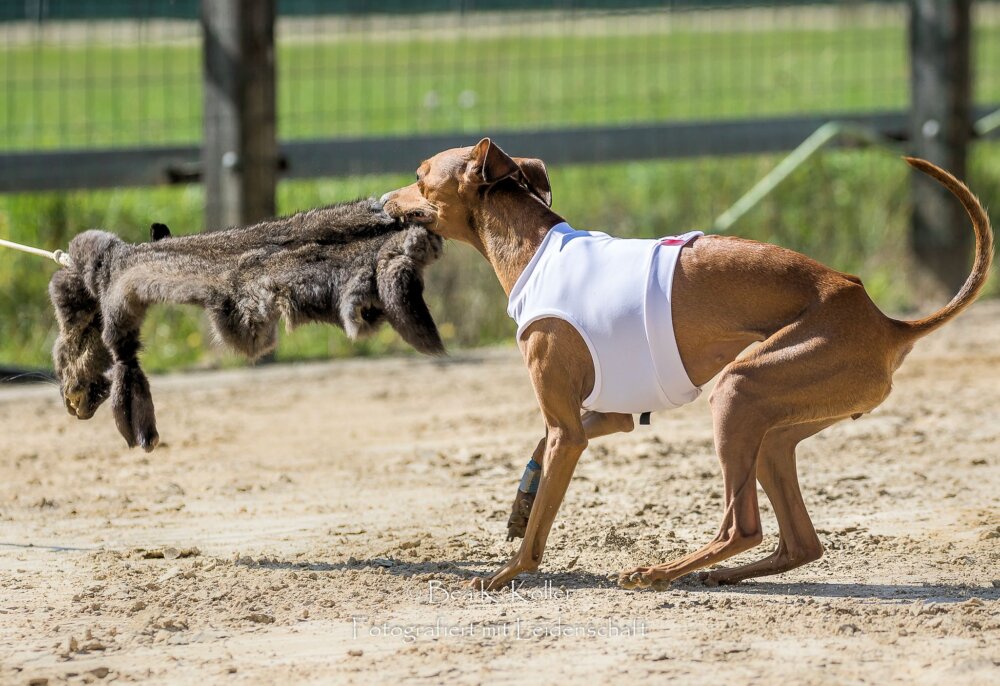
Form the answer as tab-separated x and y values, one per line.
127	74
108	74
571	67
94	84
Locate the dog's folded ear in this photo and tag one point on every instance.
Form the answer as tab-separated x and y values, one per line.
536	178
489	164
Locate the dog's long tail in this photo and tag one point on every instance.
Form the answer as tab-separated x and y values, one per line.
984	252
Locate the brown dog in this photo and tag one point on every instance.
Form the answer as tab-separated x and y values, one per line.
826	352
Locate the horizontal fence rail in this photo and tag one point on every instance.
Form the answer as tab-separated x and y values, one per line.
705	97
149	166
62	10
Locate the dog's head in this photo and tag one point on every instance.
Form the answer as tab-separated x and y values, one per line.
454	185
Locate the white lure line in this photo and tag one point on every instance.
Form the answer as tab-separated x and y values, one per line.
59	257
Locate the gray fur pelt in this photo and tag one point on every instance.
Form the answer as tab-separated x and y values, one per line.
350	265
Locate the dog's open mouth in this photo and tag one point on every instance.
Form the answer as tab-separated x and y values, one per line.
419	217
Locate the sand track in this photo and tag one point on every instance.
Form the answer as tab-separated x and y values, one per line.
337	508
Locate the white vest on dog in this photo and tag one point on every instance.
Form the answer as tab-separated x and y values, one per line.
616	293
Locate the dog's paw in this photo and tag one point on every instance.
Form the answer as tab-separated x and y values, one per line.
477	583
630	580
708	579
132	404
517	523
643	577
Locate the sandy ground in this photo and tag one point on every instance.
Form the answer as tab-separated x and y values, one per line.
315	523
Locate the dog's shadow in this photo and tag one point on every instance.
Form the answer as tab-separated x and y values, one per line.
460	570
465	570
931	593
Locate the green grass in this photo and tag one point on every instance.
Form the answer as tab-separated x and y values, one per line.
144	94
848	209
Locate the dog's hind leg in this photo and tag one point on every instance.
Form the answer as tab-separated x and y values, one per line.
739	430
797	376
798	543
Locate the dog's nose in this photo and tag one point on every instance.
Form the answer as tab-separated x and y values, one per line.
381	201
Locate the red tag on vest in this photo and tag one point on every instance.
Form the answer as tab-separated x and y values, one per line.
673	241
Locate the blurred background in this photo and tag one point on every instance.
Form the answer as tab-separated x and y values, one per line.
654	118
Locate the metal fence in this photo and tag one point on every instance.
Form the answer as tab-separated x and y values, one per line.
126	77
107	93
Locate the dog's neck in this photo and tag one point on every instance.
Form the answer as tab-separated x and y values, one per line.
507	230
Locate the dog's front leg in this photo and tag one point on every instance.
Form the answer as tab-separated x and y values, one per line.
595	425
564	443
560	374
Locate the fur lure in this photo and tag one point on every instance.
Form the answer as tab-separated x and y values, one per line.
350	265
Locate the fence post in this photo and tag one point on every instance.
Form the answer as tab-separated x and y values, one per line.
240	149
940	128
